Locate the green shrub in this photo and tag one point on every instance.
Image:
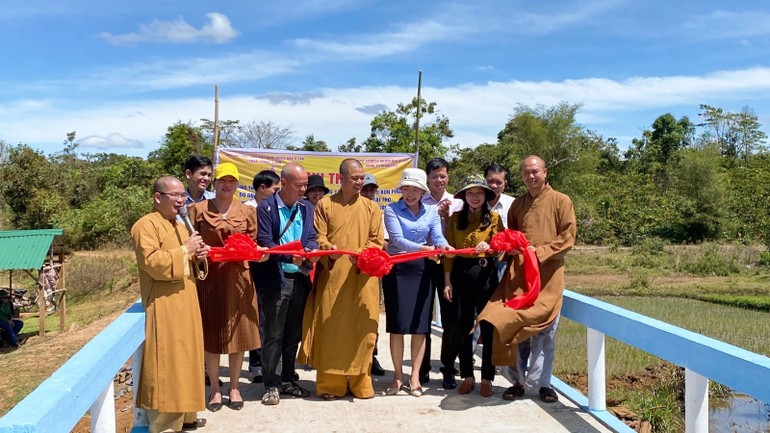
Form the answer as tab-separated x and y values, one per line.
707	259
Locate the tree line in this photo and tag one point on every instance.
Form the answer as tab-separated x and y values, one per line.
681	181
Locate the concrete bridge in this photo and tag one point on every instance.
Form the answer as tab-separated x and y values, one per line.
437	410
85	384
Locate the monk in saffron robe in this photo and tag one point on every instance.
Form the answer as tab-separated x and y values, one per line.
171	386
547	218
343	311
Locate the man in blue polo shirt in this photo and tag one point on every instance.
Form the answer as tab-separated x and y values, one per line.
284	281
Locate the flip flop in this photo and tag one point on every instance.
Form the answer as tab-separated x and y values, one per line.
514	392
548	395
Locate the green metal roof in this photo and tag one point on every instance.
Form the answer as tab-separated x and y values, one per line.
25	249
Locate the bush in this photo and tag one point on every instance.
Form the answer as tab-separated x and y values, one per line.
707	260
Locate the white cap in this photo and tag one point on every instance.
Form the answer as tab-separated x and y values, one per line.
413	177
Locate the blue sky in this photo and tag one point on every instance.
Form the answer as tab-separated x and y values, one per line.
120	73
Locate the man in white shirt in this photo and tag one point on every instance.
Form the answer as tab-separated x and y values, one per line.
438	178
495	175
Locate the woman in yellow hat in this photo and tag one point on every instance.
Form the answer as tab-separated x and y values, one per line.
227	298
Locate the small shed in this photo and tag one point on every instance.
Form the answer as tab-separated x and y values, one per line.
26	251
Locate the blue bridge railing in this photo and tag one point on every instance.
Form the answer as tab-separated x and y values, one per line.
84	383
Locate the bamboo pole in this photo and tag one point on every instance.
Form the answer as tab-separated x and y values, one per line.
417	124
216	119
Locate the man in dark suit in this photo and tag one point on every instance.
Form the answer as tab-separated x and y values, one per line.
283	280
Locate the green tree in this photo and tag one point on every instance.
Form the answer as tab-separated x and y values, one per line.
737	134
569	150
394	131
181	141
350	146
26	175
312	145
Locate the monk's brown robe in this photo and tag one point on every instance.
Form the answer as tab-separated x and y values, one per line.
548	221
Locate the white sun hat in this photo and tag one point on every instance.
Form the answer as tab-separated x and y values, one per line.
413	177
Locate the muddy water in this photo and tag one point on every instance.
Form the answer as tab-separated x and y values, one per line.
740	414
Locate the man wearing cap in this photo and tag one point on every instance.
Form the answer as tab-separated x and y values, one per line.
283	282
171	386
369	191
8	323
316	189
547	218
343	312
437	171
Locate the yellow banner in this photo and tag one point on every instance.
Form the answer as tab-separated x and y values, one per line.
385	167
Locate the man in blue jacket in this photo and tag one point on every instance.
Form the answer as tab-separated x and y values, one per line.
284	280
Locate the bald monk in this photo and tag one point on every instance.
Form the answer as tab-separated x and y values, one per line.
547	218
342	314
171	385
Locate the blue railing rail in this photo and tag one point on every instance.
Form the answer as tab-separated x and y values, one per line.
62	399
702	357
85	381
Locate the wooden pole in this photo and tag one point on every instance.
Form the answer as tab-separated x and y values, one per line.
41	304
417	123
216	119
62	300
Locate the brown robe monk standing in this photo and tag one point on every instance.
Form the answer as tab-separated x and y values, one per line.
547	218
343	311
171	385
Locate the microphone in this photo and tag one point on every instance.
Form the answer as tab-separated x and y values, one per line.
186	219
201	273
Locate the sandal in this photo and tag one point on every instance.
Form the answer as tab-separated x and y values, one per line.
329	397
271	397
514	392
548	395
295	390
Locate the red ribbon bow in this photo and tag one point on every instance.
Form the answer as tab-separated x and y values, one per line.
508	241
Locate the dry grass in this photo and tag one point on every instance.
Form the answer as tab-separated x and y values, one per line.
89	310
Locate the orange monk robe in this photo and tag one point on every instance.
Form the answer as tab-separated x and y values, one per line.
549	223
172	374
342	313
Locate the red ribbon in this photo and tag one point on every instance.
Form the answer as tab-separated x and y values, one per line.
378	263
508	241
240	247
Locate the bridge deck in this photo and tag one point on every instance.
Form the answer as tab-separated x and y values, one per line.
437	409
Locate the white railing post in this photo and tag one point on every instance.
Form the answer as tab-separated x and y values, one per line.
597	393
103	411
140	415
696	402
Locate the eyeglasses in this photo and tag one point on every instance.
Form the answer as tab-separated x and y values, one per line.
175	195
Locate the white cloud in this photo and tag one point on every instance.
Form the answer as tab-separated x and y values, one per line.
110	141
218	30
477	112
404	39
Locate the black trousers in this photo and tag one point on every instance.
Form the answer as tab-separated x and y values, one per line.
473	285
450	339
283	328
255	356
